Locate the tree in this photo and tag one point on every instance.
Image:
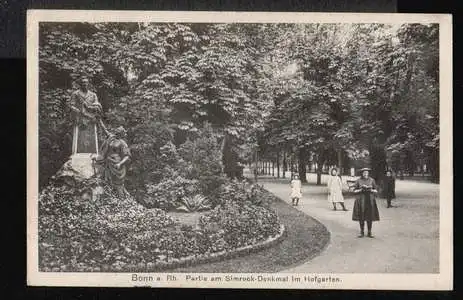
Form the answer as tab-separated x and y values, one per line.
327	91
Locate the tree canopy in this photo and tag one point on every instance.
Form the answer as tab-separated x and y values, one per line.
354	89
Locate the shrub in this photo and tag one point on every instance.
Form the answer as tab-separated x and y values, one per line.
240	225
195	203
231	191
79	234
257	195
204	159
168	192
146	138
242	192
119	234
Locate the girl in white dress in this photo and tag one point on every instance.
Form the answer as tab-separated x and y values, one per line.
296	193
335	189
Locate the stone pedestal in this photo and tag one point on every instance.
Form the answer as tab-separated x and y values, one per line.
82	163
77	169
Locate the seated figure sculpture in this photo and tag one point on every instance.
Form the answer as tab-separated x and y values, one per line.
114	156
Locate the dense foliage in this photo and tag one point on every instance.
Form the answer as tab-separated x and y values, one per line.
356	90
326	92
78	234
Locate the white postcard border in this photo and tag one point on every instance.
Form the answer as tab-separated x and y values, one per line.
440	281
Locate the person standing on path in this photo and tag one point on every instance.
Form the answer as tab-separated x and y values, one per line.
365	208
389	188
296	193
335	189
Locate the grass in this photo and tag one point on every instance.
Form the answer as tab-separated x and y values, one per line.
305	238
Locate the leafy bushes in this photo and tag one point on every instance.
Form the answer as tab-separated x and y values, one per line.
77	234
204	160
243	192
238	225
168	192
196	203
182	172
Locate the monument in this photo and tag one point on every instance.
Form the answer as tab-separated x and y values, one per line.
86	114
88	160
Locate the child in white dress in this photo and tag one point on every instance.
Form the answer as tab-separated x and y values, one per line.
335	190
296	193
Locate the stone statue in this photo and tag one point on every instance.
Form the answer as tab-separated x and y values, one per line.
86	112
114	156
88	159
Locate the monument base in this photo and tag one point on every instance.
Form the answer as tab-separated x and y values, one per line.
78	168
82	163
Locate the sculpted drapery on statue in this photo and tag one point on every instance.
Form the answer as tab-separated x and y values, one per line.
114	155
86	112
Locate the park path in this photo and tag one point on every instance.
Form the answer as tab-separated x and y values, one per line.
406	238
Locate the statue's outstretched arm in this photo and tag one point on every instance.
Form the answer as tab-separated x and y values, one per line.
123	161
104	128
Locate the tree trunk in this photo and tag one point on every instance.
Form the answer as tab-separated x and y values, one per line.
320	162
273	168
291	168
278	164
230	159
378	165
339	152
302	166
411	166
434	165
222	150
285	167
256	165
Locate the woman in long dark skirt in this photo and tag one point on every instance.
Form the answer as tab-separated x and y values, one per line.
365	208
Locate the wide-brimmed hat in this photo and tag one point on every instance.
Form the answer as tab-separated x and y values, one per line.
364	169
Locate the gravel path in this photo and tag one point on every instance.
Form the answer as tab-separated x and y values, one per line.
406	238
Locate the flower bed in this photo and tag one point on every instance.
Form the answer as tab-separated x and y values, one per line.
113	234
